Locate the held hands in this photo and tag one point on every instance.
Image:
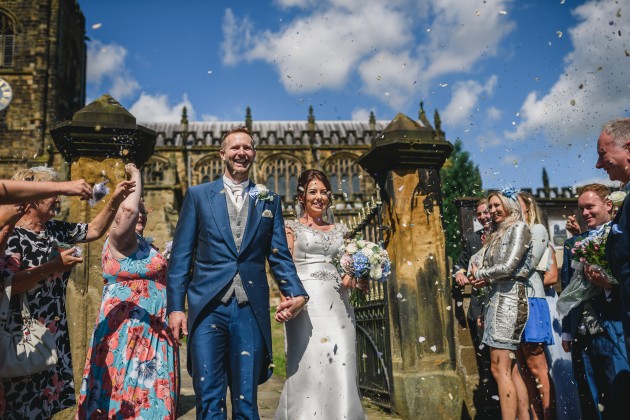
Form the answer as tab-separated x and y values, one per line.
354	283
178	324
476	283
289	308
461	279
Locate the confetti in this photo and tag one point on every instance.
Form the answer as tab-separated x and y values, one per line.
97	25
433	348
422	339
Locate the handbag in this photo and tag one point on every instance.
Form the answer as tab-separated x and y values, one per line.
26	351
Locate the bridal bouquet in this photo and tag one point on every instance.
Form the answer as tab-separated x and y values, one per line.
592	251
363	260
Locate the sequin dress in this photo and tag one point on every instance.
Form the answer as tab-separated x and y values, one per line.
322	381
132	367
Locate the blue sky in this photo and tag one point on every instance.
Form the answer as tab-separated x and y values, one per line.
524	84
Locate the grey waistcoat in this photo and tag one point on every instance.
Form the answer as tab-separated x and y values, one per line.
238	222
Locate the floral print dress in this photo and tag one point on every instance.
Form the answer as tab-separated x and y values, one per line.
45	393
132	367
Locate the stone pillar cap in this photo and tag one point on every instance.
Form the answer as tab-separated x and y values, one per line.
104	128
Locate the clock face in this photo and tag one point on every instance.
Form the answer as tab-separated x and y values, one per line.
6	94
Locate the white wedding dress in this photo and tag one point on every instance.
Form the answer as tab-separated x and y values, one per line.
320	341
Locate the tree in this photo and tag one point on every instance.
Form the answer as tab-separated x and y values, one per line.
460	178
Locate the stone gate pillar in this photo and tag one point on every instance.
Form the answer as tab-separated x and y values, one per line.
405	159
97	143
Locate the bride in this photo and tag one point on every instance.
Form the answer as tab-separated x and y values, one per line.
320	340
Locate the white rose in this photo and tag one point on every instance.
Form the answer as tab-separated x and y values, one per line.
367	252
263	191
376	273
617	197
361	243
351	248
375	259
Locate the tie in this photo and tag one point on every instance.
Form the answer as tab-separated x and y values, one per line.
237	190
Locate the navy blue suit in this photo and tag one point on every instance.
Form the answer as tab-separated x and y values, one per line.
600	360
228	343
618	257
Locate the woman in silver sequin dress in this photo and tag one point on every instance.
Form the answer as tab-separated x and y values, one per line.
507	263
320	341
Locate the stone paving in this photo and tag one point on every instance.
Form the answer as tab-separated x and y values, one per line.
268	396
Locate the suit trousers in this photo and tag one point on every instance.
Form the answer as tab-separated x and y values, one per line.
605	363
227	349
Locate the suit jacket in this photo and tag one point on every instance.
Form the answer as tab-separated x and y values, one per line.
470	246
606	309
618	257
204	258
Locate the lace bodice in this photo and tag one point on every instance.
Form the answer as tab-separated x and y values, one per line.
313	250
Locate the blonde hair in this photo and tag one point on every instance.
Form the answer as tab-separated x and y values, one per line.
513	208
36	173
534	215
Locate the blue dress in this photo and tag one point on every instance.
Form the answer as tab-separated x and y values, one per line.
132	367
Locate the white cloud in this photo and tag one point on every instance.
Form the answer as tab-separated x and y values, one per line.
510	160
494	113
465	98
593	86
209	118
385	43
157	108
489	139
361	114
596	180
462	33
106	70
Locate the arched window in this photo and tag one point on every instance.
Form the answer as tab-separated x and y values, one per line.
154	170
280	174
207	170
346	176
7	40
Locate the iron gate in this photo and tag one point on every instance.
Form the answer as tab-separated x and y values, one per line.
374	359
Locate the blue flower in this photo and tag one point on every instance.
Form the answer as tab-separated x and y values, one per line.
360	263
510	192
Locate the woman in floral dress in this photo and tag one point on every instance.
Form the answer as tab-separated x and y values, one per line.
41	268
132	367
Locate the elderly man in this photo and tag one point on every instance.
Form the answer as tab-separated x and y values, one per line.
613	148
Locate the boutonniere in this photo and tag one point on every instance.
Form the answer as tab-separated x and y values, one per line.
617	197
260	192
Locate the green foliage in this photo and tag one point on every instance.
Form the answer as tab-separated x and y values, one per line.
460	178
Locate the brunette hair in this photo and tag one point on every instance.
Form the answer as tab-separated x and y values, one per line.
306	177
481	202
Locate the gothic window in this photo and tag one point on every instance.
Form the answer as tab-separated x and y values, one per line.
7	39
280	175
208	170
345	175
154	170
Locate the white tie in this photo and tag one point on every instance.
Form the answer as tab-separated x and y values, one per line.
237	190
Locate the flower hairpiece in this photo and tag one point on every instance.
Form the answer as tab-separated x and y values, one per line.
510	192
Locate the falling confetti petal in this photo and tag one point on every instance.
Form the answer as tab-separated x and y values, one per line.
448	308
422	339
433	348
502	12
399	295
97	25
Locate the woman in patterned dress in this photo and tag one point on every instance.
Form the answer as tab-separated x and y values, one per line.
41	270
132	368
322	380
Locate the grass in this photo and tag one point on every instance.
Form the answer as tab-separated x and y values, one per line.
277	340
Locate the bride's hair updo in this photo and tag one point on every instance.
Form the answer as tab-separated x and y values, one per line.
306	177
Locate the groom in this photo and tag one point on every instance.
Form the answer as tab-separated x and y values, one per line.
226	230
